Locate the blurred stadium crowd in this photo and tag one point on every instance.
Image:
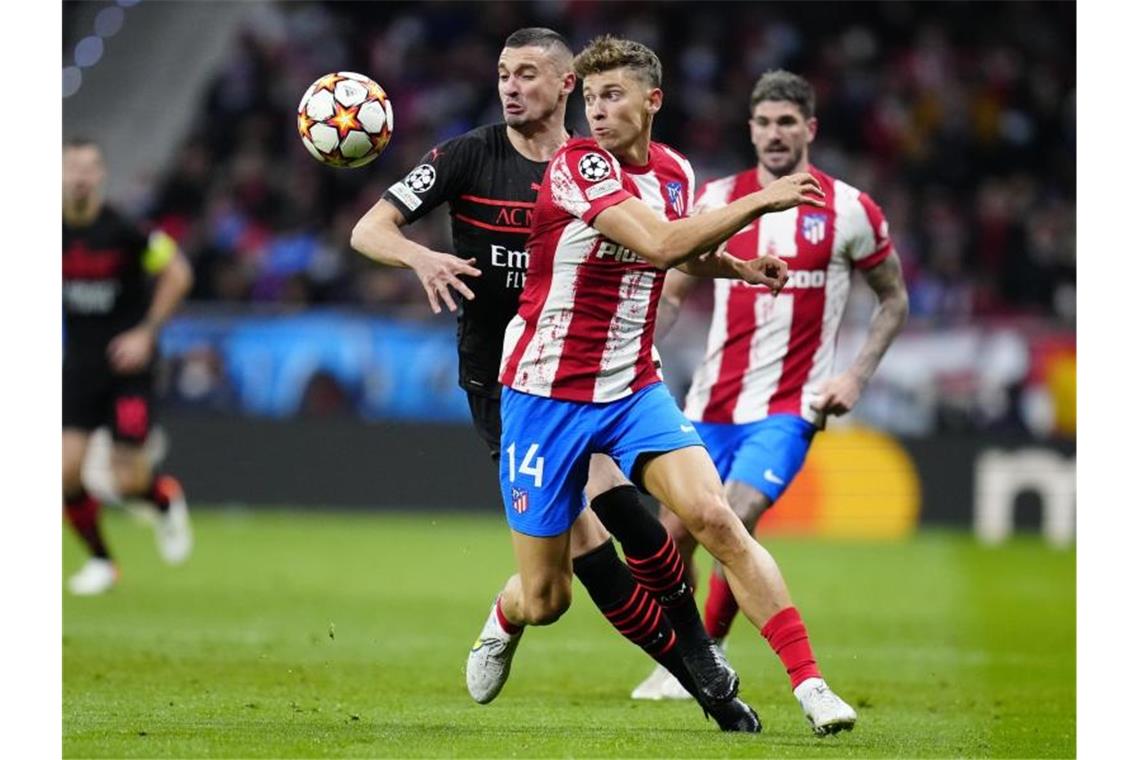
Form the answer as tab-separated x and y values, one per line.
965	133
959	118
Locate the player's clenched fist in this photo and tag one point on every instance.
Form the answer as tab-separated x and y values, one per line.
765	270
792	190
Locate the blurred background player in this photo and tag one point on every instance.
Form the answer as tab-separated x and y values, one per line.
578	373
490	177
111	322
765	383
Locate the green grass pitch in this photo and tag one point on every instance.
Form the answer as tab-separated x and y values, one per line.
335	635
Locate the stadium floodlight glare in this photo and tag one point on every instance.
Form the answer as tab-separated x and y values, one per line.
72	80
109	21
88	51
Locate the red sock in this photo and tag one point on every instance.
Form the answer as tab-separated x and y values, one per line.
506	625
788	637
82	512
163	489
720	607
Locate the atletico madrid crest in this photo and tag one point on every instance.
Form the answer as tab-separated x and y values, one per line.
520	499
675	198
814	227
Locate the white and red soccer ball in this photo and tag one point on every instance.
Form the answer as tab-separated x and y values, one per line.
345	119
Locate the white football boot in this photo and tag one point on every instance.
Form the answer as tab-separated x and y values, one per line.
489	661
97	576
661	684
172	533
826	712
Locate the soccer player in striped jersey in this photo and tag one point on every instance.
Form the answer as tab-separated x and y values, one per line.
578	375
489	177
766	381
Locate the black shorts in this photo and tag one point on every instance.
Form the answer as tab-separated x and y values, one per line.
94	396
485	415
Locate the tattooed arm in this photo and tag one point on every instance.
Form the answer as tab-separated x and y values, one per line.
840	393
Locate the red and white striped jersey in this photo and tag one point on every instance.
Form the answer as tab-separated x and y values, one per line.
584	330
770	355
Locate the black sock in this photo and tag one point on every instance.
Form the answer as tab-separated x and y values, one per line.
82	512
653	559
630	609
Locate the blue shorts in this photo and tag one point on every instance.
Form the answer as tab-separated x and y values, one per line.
547	443
765	454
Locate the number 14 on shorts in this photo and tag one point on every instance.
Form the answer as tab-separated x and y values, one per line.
531	464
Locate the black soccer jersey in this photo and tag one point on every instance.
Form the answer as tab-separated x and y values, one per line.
105	287
491	189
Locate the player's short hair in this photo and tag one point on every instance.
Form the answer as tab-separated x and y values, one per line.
81	142
784	85
607	52
541	37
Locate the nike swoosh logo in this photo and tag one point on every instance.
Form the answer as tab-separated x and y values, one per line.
772	477
688	429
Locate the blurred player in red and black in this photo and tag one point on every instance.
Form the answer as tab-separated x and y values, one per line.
490	178
119	287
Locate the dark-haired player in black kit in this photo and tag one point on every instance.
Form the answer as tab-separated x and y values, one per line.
490	178
111	319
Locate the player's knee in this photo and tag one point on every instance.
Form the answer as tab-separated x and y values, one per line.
547	604
132	472
72	478
72	485
716	526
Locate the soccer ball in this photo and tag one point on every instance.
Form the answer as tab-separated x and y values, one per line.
345	119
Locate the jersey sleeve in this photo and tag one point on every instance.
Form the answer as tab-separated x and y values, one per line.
586	180
438	178
870	237
691	205
713	194
702	202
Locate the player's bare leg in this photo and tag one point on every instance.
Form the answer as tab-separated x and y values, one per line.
635	611
657	567
653	558
134	476
537	595
99	573
720	606
686	482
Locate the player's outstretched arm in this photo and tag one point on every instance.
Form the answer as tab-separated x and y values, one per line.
130	351
840	393
378	236
771	271
664	244
763	270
